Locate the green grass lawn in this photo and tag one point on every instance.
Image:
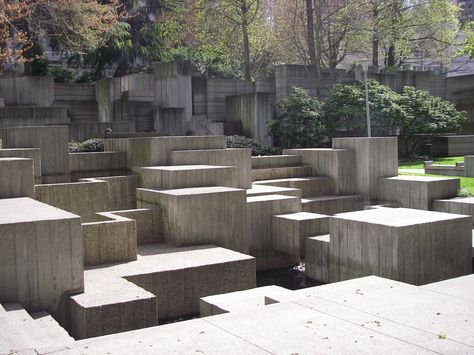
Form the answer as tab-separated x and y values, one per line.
418	164
467	183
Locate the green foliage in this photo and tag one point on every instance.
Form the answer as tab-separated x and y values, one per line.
345	109
61	75
245	142
469	44
90	145
300	121
425	114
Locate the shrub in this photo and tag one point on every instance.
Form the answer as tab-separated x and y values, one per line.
299	123
61	75
245	142
90	145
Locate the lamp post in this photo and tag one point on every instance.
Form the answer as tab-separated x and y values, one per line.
365	69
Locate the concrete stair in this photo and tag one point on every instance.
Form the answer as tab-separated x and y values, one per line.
185	176
310	186
330	205
27	331
281	173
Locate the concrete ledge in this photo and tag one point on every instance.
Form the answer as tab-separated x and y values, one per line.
261	190
28	153
96	164
281	173
275	161
448	170
329	205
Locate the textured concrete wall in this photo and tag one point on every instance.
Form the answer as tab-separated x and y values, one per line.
416	248
93	164
81	131
155	151
201	215
374	157
416	191
27	90
238	157
218	90
53	141
460	205
451	146
28	153
338	164
16	178
469	165
81	198
41	253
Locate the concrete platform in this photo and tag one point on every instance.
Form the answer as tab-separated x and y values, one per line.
164	282
310	186
281	173
416	247
240	301
185	176
370	315
41	255
416	191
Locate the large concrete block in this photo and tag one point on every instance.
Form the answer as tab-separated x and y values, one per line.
281	173
27	153
260	212
155	151
201	215
469	165
81	198
338	164
291	230
164	283
458	205
41	255
276	161
240	158
330	205
416	191
183	176
16	178
407	245
317	258
374	157
109	241
309	186
53	141
260	190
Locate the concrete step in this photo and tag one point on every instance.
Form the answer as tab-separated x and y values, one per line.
310	186
290	231
317	257
238	157
261	190
184	176
281	173
276	161
49	325
330	205
23	332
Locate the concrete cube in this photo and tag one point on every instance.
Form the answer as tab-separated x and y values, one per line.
16	178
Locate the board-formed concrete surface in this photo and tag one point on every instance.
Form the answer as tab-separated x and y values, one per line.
16	178
416	247
290	230
41	253
167	281
417	191
201	215
53	142
370	315
459	205
260	190
27	153
332	204
183	176
374	157
317	257
281	173
309	186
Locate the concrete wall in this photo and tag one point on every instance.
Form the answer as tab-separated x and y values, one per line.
218	90
53	142
469	165
94	164
27	90
374	158
81	131
16	178
29	153
451	146
41	253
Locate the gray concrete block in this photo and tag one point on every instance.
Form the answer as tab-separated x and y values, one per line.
330	205
16	178
260	190
310	186
96	164
317	262
417	191
281	173
28	153
41	254
276	161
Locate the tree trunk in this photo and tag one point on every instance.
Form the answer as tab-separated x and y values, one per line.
315	63
391	62
375	38
245	33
